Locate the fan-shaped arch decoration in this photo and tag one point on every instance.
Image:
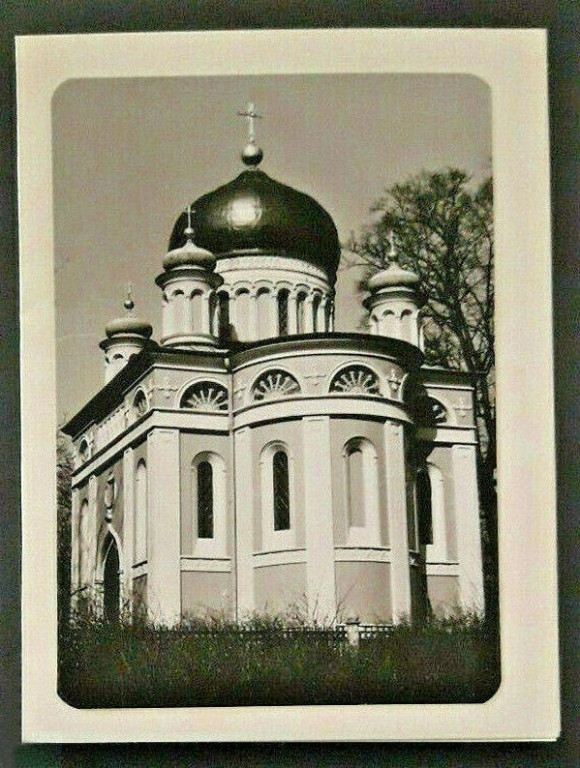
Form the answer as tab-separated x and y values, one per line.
205	396
274	384
355	380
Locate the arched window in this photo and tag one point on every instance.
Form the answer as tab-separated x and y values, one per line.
140	403
315	310
224	315
263	301
355	486
281	491
301	319
204	500
283	312
140	529
197	309
243	306
209	505
83	547
361	474
424	509
111	581
437	549
328	315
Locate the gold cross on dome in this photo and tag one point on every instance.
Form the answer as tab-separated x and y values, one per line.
251	115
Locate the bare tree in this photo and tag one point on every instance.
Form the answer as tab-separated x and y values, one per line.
442	227
64	468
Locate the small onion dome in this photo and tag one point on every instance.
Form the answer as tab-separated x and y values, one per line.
255	215
189	255
393	276
129	325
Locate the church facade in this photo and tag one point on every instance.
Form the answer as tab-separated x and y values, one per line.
255	460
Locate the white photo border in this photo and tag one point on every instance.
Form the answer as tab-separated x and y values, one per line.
514	64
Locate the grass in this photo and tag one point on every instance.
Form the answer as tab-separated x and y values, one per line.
273	661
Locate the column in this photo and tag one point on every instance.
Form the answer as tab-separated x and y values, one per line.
466	502
321	318
74	548
318	518
253	316
128	523
397	513
244	512
292	314
163	526
274	329
168	319
89	546
205	315
308	314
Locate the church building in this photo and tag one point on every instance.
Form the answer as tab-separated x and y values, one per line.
252	459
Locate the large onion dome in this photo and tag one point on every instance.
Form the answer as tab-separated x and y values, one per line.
255	214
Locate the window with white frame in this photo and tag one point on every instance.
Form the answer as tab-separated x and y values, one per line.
362	492
437	550
277	489
209	504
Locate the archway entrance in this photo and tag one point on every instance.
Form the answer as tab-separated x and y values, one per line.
111	583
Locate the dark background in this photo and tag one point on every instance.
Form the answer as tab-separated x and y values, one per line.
562	19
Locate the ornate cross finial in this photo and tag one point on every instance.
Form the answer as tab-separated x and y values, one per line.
129	303
392	248
188	232
251	116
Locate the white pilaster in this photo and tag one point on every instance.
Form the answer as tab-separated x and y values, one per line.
253	316
397	512
163	526
89	545
321	318
308	314
318	518
244	521
468	527
205	314
128	521
75	544
273	324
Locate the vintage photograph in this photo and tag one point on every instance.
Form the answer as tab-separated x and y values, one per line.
287	402
275	367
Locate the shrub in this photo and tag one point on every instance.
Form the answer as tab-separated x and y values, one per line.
269	660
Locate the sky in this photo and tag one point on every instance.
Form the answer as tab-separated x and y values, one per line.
130	154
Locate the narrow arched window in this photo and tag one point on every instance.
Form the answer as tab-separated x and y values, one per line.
83	546
315	311
281	489
301	313
283	312
362	503
204	500
424	509
141	513
356	489
224	315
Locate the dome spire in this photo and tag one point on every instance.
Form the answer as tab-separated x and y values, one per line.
251	154
129	304
188	231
